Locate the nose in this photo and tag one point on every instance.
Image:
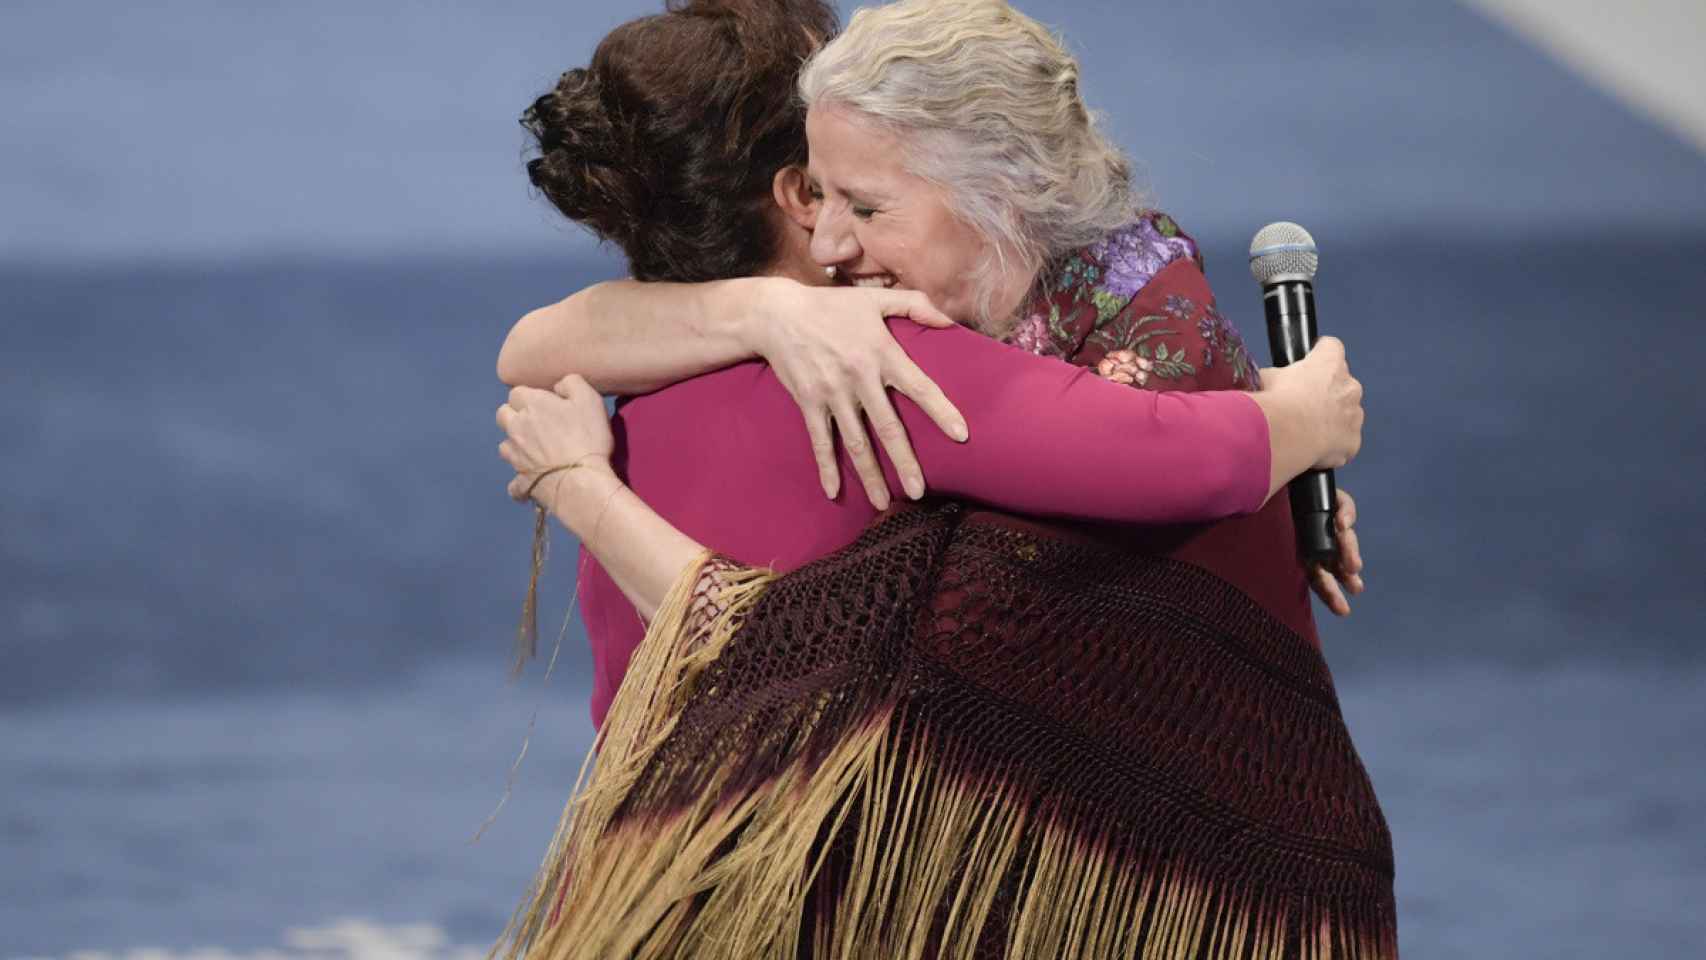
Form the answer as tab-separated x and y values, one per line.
833	241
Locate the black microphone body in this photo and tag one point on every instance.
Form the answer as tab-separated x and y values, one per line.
1290	307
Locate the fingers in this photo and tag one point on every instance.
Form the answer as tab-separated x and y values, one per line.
575	387
917	308
1327	588
1124	366
858	446
517	489
506	416
520	396
1350	561
823	451
912	381
1350	548
892	435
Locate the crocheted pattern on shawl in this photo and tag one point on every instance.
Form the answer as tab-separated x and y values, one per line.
968	735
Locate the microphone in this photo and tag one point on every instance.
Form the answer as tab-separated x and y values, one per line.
1283	260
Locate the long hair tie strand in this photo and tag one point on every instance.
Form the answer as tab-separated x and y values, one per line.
527	634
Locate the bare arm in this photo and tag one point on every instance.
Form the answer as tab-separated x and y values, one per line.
643	553
628	338
1314	414
828	346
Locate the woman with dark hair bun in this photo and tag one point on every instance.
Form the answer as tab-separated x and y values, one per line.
702	209
957	729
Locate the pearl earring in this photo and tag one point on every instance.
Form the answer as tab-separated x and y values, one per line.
830	272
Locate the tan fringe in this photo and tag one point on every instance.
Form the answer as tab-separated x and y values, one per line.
930	842
527	632
658	681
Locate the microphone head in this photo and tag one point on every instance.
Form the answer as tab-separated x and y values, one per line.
1283	251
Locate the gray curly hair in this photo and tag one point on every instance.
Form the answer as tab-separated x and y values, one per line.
986	102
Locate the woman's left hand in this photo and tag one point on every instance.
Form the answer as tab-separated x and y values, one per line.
1125	366
553	428
1343	577
1330	583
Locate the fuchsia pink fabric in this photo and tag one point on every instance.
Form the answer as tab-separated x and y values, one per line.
726	458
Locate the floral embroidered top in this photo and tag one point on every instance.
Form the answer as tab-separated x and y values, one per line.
1105	298
1137	307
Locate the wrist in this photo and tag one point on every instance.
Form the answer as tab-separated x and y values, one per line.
736	310
575	496
1293	443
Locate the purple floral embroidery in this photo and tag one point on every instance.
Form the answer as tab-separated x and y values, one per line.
1078	275
1088	298
1134	255
1221	338
1032	335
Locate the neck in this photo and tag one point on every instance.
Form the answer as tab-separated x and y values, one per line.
791	268
793	258
1013	292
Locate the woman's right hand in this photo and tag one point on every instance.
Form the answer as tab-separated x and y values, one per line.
548	429
832	351
1328	401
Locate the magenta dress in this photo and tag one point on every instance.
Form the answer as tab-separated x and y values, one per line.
725	458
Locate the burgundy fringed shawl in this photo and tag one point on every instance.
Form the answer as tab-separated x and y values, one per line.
970	734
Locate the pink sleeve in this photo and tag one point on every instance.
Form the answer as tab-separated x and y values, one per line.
1052	439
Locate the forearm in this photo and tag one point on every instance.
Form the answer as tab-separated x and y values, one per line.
1293	447
627	338
643	553
1055	440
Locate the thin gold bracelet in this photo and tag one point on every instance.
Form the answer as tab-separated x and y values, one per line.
527	633
538	479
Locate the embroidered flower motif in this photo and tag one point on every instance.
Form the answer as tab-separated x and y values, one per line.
1133	255
1077	274
1124	366
1032	335
1222	339
1206	327
1089	300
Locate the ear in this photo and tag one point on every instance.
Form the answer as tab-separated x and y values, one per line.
793	194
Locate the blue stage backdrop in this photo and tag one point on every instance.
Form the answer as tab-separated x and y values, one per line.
261	578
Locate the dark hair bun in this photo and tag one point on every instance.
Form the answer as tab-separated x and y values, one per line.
583	167
667	142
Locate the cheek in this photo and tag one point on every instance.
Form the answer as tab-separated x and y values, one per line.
891	249
967	244
951	256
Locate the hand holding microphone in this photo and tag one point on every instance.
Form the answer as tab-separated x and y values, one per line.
1283	260
1329	401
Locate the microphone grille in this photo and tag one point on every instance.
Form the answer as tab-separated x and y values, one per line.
1283	251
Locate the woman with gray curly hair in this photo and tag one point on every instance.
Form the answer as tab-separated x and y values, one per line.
968	733
967	114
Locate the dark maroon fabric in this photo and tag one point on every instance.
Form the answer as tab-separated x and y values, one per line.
1143	290
1141	702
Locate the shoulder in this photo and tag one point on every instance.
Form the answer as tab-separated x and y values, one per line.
943	351
1131	256
1090	286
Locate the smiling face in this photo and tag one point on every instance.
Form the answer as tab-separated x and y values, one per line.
881	225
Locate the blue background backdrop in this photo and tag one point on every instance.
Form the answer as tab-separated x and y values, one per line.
258	577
